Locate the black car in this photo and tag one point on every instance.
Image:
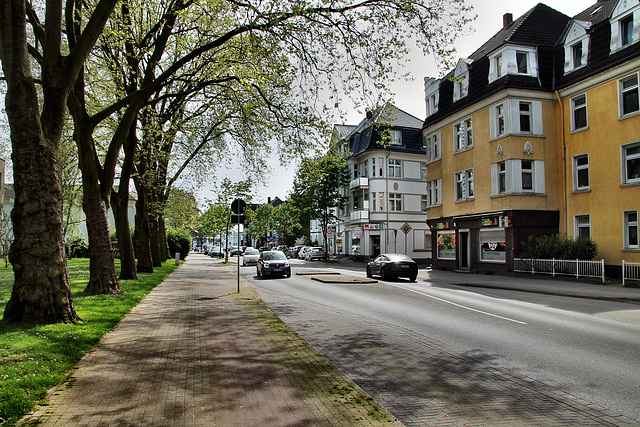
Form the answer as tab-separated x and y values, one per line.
389	266
273	263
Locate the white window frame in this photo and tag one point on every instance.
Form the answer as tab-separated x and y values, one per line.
525	115
423	171
529	171
424	203
626	157
395	202
525	54
624	12
508	57
463	135
628	225
433	147
373	167
578	104
577	38
622	91
502	178
464	188
578	169
395	137
500	120
434	192
513	177
582	221
395	168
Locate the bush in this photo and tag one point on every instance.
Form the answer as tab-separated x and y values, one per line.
559	247
179	241
77	247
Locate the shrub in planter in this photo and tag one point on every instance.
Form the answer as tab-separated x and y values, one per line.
179	241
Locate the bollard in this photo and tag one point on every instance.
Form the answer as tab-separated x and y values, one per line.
177	259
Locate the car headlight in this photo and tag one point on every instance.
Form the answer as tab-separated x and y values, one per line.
286	263
266	264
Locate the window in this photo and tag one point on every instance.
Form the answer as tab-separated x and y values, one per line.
631	163
433	147
579	112
493	245
381	166
423	170
464	185
395	168
582	226
433	192
446	244
498	65
502	177
424	203
581	172
374	200
463	135
396	137
631	239
626	30
355	170
576	54
373	167
428	244
363	168
521	61
395	202
525	117
432	104
500	130
380	202
527	175
461	87
629	95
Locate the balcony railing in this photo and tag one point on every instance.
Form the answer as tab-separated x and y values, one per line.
360	182
361	215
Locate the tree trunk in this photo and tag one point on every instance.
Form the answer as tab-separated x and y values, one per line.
143	248
123	233
41	292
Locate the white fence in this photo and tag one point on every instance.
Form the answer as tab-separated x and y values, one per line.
565	267
630	271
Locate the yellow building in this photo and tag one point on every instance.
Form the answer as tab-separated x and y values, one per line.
528	136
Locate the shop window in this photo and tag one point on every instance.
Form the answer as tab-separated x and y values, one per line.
631	239
446	245
493	245
581	172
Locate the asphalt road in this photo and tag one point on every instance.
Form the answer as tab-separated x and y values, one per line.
420	348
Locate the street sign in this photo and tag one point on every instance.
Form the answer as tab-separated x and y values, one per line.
406	228
329	231
238	207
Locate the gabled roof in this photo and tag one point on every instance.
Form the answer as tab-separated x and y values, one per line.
540	26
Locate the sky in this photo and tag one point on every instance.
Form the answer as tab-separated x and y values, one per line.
409	96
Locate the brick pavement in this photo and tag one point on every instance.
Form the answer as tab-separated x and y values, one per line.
195	352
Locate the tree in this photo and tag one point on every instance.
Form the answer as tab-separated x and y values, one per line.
261	222
317	187
182	210
41	291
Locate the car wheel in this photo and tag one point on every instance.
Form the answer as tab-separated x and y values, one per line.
288	273
258	272
412	278
369	272
385	274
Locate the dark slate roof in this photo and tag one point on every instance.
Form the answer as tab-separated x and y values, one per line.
540	26
367	134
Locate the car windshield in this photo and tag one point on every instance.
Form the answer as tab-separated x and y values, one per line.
251	252
268	256
399	257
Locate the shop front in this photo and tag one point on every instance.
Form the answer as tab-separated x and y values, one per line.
487	242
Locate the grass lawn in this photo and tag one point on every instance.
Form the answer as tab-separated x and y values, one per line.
35	358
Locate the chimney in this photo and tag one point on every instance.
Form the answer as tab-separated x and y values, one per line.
269	200
507	20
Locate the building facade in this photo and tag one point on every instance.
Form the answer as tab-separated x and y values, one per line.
386	198
537	133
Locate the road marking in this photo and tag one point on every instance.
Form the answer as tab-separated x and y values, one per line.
459	305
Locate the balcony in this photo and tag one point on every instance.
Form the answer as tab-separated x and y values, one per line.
360	216
361	182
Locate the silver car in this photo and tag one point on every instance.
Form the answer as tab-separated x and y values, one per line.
250	256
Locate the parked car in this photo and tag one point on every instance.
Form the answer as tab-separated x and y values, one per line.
303	251
293	252
273	263
234	251
250	256
315	253
389	266
215	251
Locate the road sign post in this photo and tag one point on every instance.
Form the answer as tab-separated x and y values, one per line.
238	207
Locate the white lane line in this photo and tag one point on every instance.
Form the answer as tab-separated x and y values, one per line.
459	305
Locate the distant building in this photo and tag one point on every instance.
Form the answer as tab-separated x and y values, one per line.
537	132
386	198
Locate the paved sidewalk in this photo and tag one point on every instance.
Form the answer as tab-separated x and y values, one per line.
195	352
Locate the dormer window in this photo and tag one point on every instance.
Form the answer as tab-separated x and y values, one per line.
576	55
576	46
625	24
461	79
510	59
432	95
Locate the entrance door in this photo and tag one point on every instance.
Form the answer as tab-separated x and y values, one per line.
465	248
375	246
